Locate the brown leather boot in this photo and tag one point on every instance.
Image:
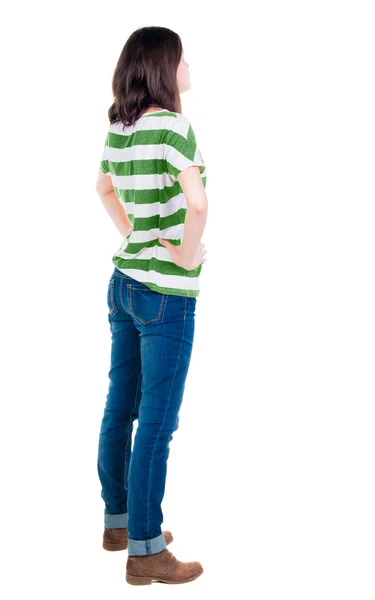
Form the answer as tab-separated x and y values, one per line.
117	539
162	566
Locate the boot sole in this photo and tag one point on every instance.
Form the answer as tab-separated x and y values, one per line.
134	580
108	546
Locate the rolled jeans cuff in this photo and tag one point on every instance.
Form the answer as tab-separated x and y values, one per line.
115	521
144	547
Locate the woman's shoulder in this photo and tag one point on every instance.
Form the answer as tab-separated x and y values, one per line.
178	122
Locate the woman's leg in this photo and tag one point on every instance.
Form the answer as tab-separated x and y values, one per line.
121	409
166	325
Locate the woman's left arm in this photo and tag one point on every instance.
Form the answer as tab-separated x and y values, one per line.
112	204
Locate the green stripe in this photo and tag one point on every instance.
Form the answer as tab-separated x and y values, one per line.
174	171
145	137
152	166
187	146
149	196
158	222
136	247
153	264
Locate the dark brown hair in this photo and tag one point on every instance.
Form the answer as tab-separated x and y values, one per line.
145	74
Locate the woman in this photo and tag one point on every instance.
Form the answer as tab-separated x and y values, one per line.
152	183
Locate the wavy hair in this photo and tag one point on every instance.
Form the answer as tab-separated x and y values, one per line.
145	74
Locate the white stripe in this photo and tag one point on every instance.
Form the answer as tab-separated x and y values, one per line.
142	182
164	209
136	152
179	160
152	152
180	282
146	124
137	237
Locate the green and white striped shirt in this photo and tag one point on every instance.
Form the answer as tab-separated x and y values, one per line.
143	161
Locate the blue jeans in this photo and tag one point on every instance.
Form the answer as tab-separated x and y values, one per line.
152	339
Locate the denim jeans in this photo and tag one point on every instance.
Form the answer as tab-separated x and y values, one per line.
152	338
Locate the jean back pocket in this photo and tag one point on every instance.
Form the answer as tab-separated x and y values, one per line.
146	305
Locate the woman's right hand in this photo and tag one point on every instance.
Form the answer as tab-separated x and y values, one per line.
180	258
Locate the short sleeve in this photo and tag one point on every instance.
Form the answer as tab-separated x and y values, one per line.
181	149
103	164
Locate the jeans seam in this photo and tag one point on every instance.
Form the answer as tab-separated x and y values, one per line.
112	309
157	437
122	275
120	294
130	421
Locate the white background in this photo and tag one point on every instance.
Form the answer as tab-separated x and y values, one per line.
270	479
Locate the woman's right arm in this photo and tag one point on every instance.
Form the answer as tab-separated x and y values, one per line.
196	211
190	254
185	165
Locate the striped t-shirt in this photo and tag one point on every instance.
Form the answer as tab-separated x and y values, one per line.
143	161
